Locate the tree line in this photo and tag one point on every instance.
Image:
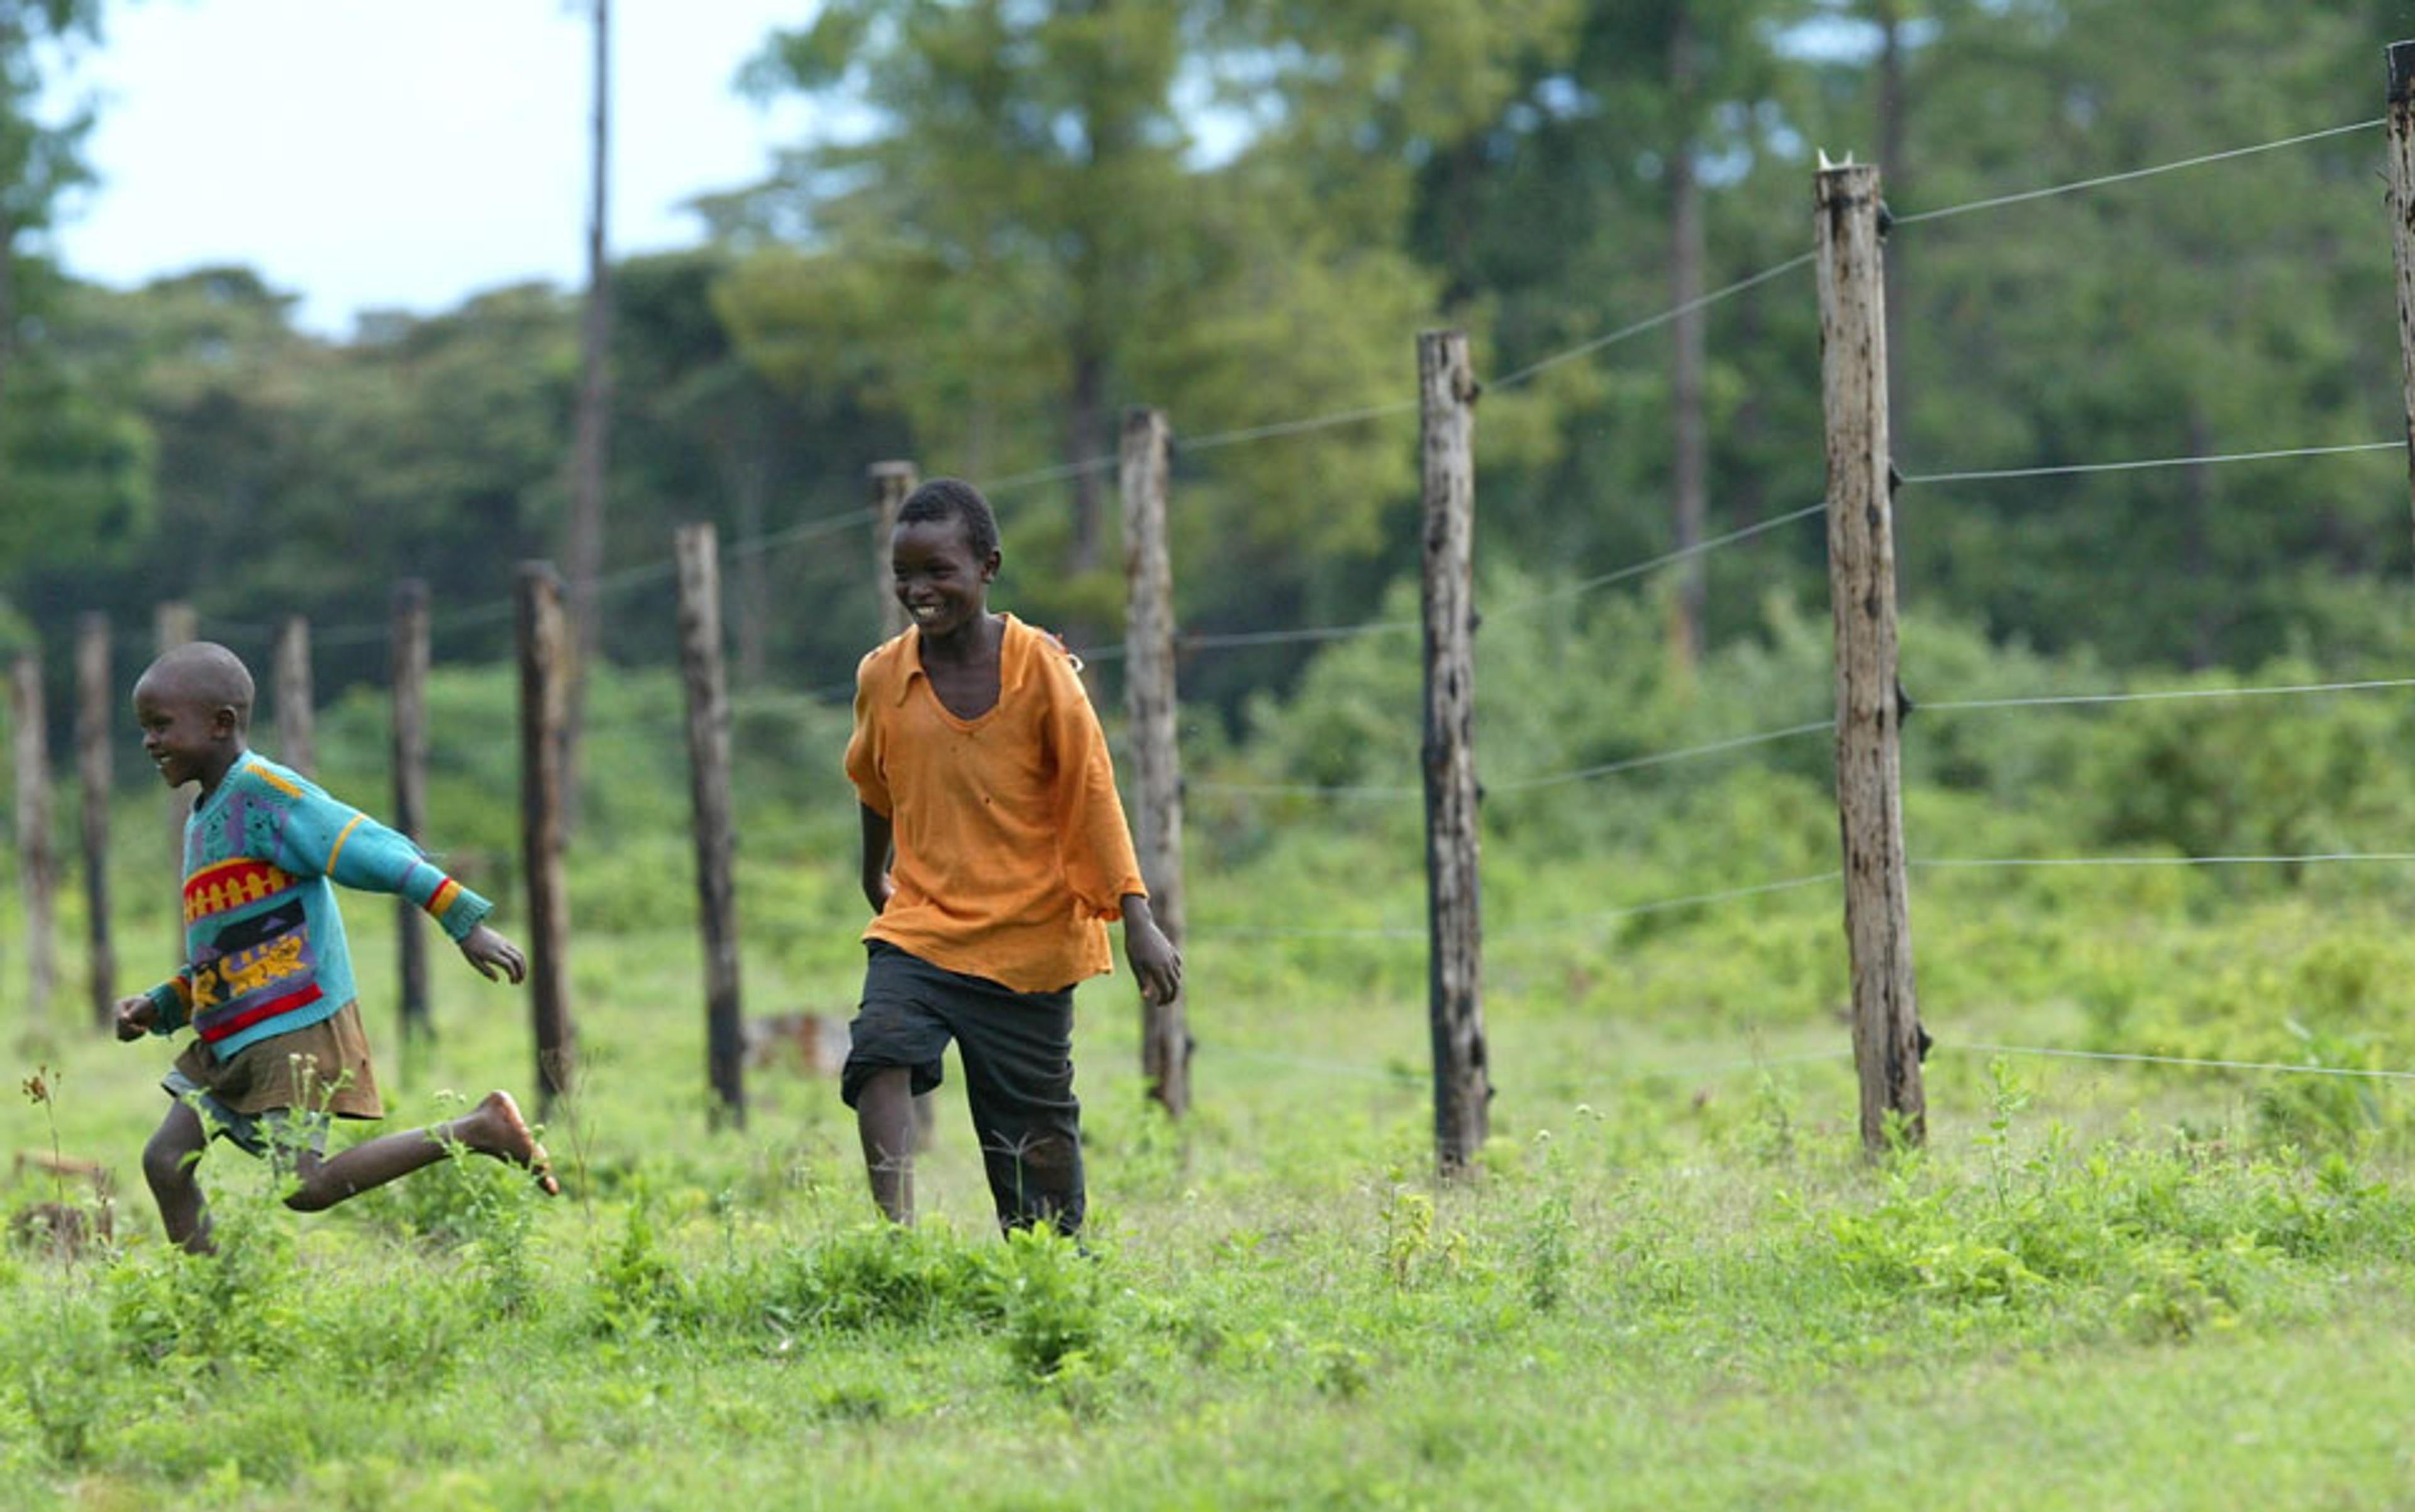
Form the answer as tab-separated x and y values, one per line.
1241	211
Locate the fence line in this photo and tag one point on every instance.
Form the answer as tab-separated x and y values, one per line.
1665	559
2003	863
1815	726
2025	196
1408	1078
2209	459
1523	784
2140	1057
1652	322
2164	694
1524	931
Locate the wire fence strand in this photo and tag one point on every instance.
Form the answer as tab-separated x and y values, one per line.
1650	323
2001	863
2052	700
2140	464
2129	176
2143	1058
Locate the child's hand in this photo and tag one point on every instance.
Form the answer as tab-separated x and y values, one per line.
1154	959
493	955
136	1016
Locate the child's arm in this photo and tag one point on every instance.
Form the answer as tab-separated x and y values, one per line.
324	837
163	1009
1154	959
878	834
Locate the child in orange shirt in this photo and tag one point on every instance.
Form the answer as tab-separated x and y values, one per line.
994	851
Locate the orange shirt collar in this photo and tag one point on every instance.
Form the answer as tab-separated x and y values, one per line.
1014	652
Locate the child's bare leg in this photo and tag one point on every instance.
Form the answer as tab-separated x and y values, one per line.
168	1163
494	1127
884	1118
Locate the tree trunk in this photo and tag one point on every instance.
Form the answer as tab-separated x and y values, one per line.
1690	471
751	483
1889	16
1084	420
7	301
584	547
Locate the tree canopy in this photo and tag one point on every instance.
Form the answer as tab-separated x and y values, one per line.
1031	214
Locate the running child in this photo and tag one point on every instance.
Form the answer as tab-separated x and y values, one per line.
267	986
995	852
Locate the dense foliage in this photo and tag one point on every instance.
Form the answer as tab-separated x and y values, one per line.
1242	211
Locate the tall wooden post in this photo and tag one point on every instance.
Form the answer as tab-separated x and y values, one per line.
708	756
1461	1064
296	746
545	655
409	667
891	482
34	871
97	708
2401	117
1157	758
175	626
1861	589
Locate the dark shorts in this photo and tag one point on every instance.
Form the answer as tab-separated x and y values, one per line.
1017	1051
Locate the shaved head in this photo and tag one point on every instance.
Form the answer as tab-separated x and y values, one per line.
201	672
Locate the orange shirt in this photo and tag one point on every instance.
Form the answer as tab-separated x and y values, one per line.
1012	850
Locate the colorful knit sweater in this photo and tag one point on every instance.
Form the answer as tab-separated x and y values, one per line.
264	943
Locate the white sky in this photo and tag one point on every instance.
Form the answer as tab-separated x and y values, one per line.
384	154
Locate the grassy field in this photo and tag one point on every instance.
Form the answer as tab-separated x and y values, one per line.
1673	1280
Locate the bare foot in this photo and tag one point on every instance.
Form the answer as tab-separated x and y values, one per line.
496	1127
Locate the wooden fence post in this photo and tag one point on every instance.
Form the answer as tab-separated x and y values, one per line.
34	871
1461	1070
97	707
296	746
891	482
1157	758
1861	590
175	626
708	754
2401	118
545	655
408	664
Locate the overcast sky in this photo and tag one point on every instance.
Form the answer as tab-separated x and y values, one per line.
382	154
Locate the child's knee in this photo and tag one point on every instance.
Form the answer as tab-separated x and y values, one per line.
169	1159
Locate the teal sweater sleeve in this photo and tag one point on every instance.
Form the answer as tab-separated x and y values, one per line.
173	998
323	836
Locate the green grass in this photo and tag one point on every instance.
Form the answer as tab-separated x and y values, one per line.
1674	1279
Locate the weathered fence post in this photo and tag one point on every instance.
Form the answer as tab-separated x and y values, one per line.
408	658
708	756
175	626
2401	118
545	655
1156	759
34	871
1861	591
296	746
891	482
1461	1070
95	718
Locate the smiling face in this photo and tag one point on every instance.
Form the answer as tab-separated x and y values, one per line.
192	704
943	586
186	738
